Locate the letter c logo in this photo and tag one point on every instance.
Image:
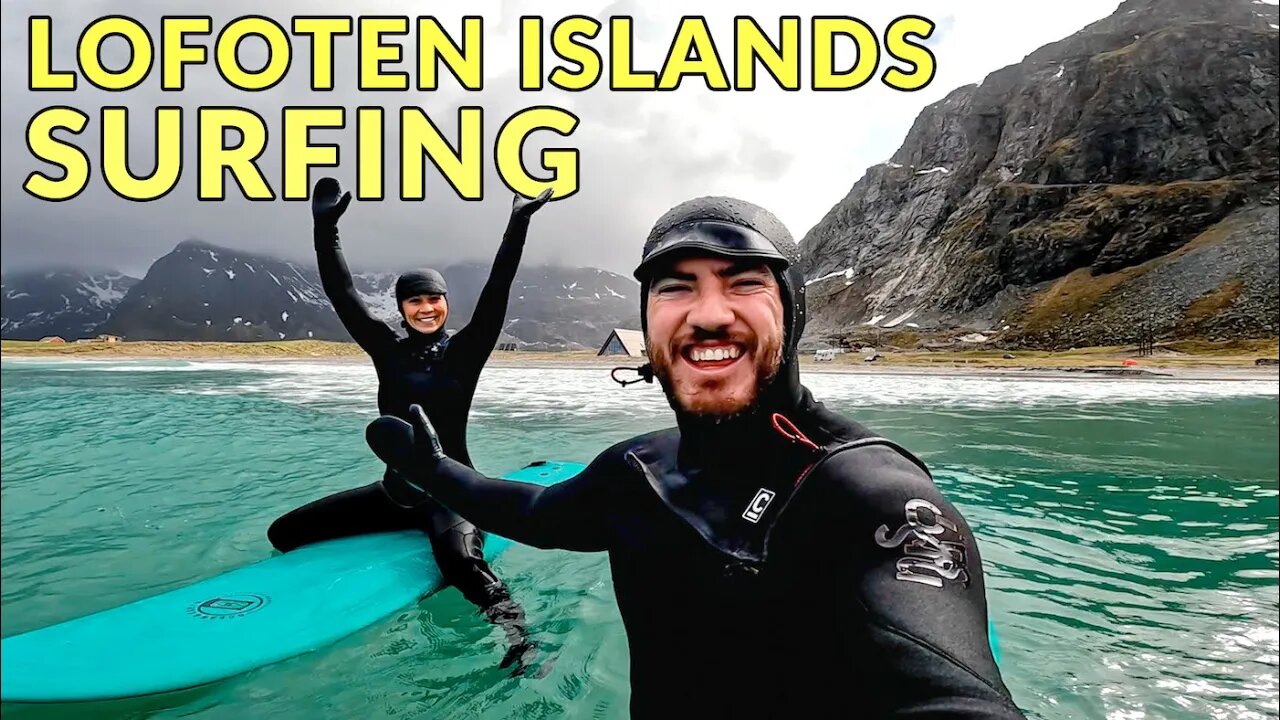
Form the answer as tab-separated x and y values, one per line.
758	505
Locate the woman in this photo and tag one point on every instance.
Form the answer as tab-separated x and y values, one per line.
427	367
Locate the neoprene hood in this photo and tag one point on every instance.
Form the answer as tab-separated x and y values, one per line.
731	228
420	282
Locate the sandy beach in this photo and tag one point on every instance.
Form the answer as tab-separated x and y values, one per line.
1190	360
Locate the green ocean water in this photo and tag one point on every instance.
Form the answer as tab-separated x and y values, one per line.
1128	528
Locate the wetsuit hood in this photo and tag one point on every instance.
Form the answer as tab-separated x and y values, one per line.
733	228
420	282
426	281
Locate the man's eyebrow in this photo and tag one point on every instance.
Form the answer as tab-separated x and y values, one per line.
673	275
740	267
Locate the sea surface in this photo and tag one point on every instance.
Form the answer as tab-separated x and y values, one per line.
1128	527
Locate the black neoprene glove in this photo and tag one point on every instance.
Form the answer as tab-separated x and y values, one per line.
523	208
328	202
412	451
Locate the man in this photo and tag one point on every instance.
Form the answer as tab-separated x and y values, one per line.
770	558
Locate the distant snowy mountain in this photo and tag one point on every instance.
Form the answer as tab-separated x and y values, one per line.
201	291
71	304
378	292
552	304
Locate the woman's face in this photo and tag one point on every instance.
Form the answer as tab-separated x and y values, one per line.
425	313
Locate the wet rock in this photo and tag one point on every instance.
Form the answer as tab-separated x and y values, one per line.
1091	194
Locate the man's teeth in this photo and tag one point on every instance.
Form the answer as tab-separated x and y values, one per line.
714	354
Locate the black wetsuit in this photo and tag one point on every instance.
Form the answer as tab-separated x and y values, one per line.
838	600
438	372
780	562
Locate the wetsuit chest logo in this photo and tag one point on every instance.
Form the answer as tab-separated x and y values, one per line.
758	505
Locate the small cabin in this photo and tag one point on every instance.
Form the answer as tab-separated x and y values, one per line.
53	340
109	339
623	342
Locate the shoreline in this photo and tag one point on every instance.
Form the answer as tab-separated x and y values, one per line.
1223	363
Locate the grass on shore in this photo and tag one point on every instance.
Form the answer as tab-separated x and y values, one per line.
180	350
1186	353
1190	353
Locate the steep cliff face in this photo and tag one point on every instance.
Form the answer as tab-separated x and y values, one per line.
1091	163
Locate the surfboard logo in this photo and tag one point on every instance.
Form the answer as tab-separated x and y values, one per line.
228	607
758	505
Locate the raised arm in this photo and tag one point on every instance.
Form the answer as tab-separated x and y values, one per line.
471	346
328	203
913	568
570	515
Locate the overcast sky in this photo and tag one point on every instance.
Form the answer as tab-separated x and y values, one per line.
797	153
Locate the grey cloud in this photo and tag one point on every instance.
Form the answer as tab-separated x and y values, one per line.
943	27
762	159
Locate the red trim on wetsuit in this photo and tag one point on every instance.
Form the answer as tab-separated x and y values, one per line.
793	433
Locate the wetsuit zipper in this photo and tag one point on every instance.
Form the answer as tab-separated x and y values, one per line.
748	564
653	485
827	455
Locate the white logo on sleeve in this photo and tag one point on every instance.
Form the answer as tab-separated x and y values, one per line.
758	505
928	558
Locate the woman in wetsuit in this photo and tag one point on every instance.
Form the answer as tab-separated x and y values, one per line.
427	367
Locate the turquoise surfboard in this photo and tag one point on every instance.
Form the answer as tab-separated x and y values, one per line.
239	621
236	622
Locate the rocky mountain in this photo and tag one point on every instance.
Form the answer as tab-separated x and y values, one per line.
203	292
1118	182
553	306
71	304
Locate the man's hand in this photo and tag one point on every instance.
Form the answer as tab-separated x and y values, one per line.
426	442
411	450
328	202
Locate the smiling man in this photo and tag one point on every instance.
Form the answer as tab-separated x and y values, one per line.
714	329
770	558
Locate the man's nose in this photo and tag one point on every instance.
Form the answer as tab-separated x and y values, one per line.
711	311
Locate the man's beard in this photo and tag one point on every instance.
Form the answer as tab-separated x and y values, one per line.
768	361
